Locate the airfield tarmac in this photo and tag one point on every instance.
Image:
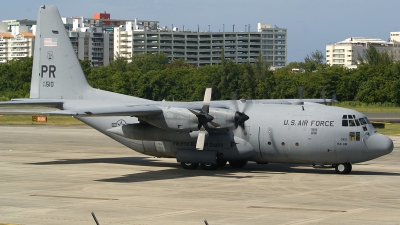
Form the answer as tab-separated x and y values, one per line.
60	174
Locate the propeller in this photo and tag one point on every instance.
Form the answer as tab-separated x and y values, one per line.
240	117
323	95
301	91
203	118
333	98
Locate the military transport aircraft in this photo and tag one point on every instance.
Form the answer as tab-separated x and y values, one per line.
209	133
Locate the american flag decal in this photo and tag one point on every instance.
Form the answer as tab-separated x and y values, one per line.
50	42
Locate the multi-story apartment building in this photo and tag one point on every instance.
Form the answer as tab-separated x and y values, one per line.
202	47
347	52
91	39
100	39
16	44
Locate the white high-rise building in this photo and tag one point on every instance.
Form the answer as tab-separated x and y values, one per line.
347	52
16	44
202	47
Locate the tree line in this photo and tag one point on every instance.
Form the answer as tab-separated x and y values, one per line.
153	76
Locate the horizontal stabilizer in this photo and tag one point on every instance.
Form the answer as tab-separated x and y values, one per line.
137	110
34	102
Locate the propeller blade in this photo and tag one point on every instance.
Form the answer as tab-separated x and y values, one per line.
323	95
301	90
215	124
248	104
201	139
194	112
207	100
234	101
333	98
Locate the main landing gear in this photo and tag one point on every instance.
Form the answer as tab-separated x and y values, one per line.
220	164
193	166
343	168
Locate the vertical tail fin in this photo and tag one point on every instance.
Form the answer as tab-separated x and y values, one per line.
56	72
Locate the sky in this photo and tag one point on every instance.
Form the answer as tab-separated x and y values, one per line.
311	24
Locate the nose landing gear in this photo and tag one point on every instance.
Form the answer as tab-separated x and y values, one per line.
343	168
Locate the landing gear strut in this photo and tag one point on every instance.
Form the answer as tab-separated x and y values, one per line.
221	163
237	164
343	168
189	166
209	166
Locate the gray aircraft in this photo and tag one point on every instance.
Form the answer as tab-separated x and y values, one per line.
209	133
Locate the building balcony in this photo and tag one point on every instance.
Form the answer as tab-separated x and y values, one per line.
192	50
19	40
19	55
179	50
192	43
179	44
18	45
166	39
19	50
166	47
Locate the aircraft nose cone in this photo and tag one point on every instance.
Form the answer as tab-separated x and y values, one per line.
379	145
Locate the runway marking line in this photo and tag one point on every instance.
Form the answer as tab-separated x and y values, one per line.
60	196
293	208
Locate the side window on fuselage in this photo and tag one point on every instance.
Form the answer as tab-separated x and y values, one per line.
354	136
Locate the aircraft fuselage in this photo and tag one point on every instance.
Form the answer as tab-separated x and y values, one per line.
309	133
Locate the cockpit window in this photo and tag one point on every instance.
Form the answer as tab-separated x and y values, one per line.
367	120
362	121
352	121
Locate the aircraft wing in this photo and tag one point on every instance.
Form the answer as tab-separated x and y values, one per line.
134	110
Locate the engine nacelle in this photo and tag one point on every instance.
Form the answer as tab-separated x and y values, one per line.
172	118
182	120
148	132
224	117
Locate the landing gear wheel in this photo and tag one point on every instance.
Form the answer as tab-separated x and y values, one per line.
343	168
209	166
189	166
237	164
221	163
